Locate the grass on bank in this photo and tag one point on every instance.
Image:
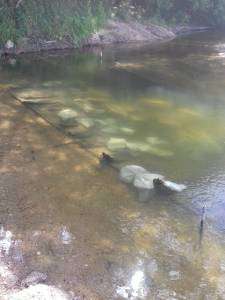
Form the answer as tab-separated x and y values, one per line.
59	19
75	20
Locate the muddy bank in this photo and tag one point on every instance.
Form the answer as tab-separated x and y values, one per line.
114	32
120	32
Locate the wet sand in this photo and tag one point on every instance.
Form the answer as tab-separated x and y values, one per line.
47	183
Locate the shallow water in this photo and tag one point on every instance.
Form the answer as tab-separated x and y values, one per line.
161	107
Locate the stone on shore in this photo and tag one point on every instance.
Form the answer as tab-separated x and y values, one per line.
6	241
38	292
34	278
8	279
9	45
128	173
68	116
86	122
174	275
65	236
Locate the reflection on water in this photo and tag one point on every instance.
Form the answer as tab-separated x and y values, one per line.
160	107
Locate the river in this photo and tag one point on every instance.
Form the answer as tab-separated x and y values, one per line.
159	106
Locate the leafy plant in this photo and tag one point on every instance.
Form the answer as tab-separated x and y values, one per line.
75	20
58	19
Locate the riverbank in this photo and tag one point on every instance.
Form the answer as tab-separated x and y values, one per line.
114	32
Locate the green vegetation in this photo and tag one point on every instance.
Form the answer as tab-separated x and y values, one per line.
195	12
74	20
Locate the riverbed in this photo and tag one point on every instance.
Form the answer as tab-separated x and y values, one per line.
159	106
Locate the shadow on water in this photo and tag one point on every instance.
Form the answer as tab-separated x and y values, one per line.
161	107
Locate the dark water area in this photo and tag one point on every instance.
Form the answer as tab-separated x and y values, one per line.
161	107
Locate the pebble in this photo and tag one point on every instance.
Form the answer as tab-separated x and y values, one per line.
34	278
174	275
38	292
86	122
68	116
65	236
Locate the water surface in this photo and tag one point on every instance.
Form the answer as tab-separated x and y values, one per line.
161	107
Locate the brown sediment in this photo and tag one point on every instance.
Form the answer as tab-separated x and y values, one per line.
62	186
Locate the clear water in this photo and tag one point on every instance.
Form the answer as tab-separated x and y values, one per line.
161	107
